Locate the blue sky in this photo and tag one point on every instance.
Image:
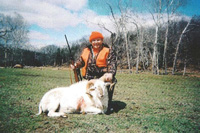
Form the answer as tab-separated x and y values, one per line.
50	20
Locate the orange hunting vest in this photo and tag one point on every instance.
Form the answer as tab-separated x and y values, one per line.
101	60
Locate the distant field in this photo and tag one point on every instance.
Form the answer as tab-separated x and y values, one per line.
142	103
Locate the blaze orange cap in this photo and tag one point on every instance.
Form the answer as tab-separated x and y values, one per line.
95	35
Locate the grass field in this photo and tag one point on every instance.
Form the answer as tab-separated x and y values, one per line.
142	103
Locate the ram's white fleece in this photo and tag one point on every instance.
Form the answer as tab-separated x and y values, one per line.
82	97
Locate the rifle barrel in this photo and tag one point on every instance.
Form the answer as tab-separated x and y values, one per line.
72	61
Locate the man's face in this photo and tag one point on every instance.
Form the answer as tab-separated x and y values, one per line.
96	43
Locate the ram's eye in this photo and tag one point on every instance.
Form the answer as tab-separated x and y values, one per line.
92	89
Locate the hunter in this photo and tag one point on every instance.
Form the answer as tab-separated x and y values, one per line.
96	60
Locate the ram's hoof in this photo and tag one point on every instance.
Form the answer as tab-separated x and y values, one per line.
65	116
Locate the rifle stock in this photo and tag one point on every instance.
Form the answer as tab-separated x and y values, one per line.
75	72
72	62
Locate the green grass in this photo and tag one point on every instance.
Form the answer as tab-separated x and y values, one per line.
141	102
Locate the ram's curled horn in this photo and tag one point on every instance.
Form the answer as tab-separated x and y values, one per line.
89	85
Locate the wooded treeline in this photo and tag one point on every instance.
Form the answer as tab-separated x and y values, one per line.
170	40
47	56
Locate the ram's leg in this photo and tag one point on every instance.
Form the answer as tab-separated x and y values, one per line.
54	109
62	112
93	110
56	114
67	111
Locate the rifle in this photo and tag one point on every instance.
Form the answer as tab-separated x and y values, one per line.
77	74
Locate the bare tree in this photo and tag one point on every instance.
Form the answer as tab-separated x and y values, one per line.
178	45
156	15
123	23
5	25
140	32
120	22
171	7
6	28
13	33
20	34
158	10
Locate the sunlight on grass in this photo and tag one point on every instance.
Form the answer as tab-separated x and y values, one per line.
141	103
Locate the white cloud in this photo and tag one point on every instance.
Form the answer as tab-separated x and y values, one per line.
74	5
91	19
38	44
58	15
35	35
39	39
47	13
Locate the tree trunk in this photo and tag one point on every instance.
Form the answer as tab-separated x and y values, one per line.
177	47
6	57
138	48
155	53
157	63
185	64
141	49
138	54
165	51
138	58
6	53
127	52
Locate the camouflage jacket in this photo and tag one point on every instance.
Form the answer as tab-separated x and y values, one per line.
92	70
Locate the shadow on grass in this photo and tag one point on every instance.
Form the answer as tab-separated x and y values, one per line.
117	106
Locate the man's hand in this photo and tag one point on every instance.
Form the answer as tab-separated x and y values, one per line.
73	66
107	77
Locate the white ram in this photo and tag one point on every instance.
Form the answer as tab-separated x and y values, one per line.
82	97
